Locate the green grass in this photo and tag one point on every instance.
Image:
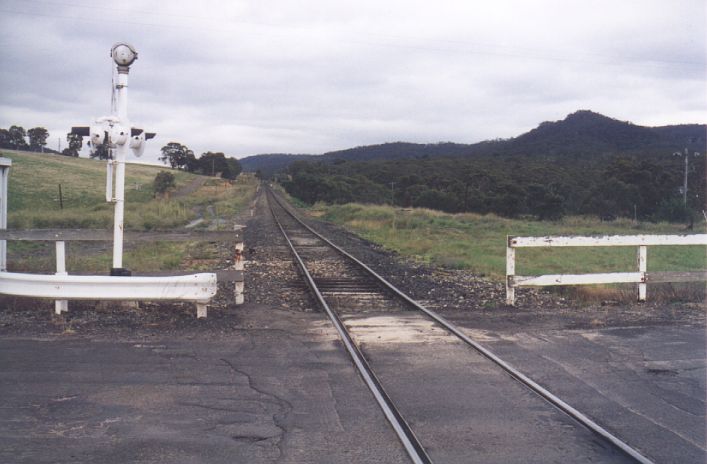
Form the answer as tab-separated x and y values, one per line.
34	203
34	194
477	242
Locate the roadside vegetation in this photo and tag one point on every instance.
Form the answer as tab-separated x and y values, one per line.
35	202
477	242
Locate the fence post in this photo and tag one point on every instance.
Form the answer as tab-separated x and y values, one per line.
510	271
61	305
201	310
238	266
642	258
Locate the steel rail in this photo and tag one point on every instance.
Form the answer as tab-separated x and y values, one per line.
512	371
409	441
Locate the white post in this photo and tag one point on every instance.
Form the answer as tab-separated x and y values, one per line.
121	152
201	310
238	265
642	266
510	272
5	164
61	305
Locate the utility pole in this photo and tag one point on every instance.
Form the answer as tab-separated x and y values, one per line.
687	164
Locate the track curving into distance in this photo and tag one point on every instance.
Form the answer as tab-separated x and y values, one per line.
365	278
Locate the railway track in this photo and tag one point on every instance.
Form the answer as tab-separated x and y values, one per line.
364	308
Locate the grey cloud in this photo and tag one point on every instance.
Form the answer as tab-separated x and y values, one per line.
249	77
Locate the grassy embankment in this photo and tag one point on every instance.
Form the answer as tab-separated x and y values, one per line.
34	203
477	242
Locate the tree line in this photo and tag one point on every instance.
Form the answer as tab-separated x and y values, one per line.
174	154
179	156
545	187
35	139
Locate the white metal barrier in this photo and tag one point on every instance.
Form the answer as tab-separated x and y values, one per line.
199	288
192	287
641	277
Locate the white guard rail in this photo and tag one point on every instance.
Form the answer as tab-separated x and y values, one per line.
196	287
199	288
641	276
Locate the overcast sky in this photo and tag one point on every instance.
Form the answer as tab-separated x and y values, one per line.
270	76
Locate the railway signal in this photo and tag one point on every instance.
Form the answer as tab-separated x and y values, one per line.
116	133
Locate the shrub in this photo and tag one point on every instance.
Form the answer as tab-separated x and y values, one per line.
163	181
672	210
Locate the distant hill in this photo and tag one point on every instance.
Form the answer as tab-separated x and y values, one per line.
585	133
581	134
270	163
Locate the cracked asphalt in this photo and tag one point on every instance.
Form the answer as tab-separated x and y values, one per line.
643	383
280	390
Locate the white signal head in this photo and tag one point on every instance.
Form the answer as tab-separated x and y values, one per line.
123	54
119	135
137	144
97	135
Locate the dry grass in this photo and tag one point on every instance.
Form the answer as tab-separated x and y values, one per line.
621	293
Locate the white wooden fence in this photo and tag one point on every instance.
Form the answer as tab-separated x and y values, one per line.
641	277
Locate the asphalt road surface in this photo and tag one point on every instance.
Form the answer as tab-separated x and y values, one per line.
279	388
280	391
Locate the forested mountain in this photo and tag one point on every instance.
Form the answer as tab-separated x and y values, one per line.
546	187
584	164
580	135
270	163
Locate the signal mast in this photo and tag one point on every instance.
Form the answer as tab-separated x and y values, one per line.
116	133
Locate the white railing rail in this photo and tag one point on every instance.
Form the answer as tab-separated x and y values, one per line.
199	288
641	277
